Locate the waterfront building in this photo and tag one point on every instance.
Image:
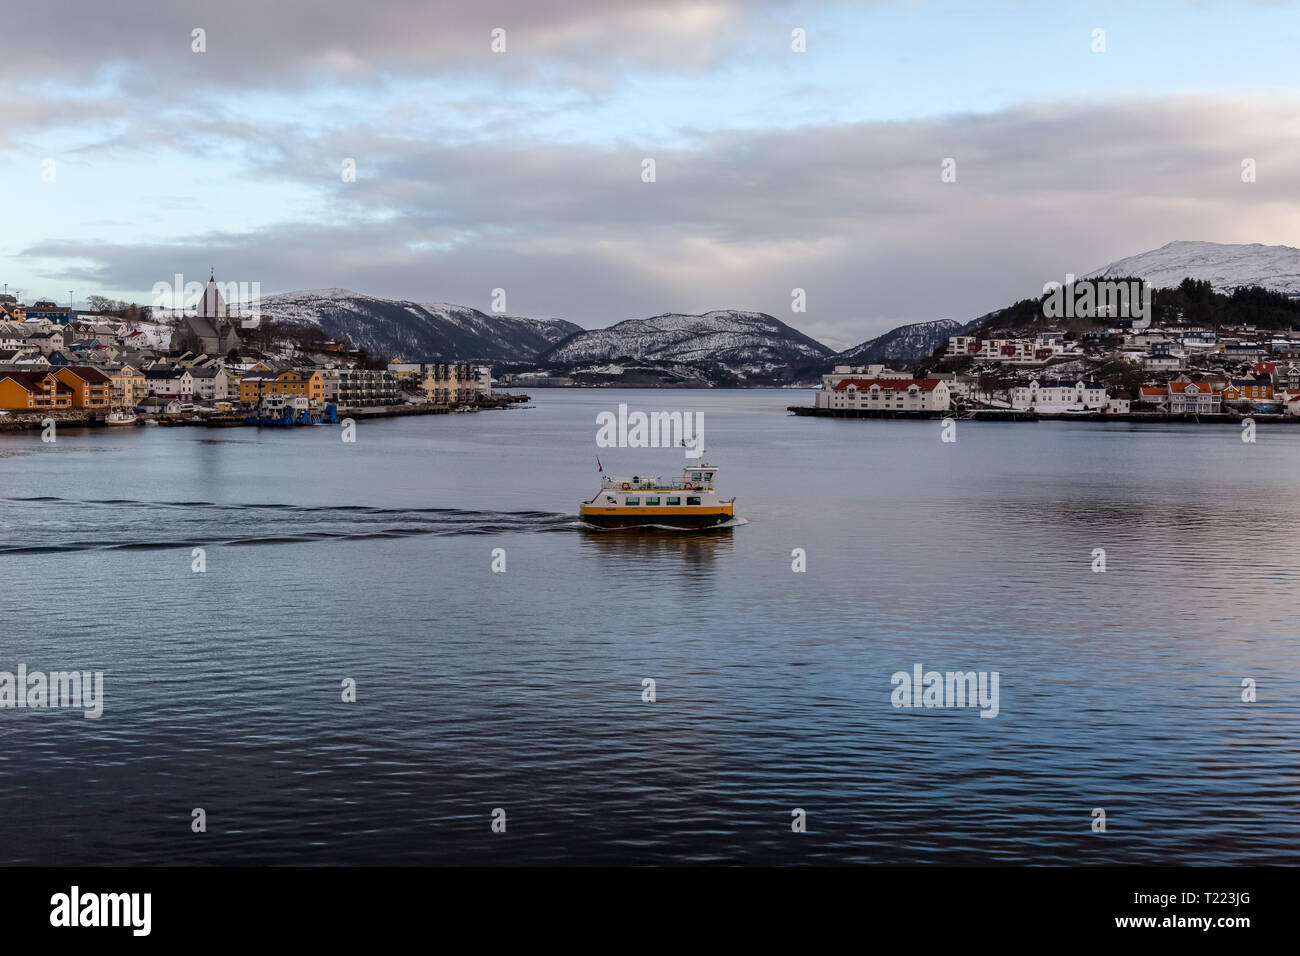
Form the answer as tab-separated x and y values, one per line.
873	372
1249	390
127	387
360	387
210	383
886	395
90	387
167	381
1184	397
443	383
308	384
1038	392
36	390
451	383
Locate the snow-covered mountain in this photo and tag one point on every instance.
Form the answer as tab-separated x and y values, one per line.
418	331
1226	266
905	342
725	344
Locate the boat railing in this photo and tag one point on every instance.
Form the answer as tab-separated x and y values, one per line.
657	484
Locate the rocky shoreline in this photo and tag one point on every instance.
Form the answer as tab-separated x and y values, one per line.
14	421
35	421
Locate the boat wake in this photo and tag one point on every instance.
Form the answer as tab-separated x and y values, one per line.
61	525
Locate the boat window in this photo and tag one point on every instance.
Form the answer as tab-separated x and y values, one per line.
674	501
652	501
695	476
692	501
633	501
708	476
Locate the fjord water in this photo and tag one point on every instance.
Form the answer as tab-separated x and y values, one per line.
522	690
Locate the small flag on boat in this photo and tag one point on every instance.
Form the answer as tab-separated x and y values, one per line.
598	465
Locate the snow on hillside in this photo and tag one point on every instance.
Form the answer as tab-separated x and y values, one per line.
155	335
415	331
743	342
1225	266
905	342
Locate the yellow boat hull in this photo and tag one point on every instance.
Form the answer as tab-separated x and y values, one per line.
683	517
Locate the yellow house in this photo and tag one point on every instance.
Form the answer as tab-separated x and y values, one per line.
1249	390
254	386
90	387
24	390
129	386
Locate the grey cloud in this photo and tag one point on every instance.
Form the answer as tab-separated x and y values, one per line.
856	215
251	42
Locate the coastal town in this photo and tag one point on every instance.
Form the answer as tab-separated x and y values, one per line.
119	364
1151	374
206	366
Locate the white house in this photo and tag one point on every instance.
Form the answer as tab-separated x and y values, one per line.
166	382
1184	397
1011	351
1163	363
210	383
13	339
1038	392
46	342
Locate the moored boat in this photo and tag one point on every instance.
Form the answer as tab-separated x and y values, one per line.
120	417
224	420
638	502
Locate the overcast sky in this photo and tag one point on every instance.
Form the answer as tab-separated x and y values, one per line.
522	170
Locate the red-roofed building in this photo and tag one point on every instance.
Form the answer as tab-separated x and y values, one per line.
886	395
1184	398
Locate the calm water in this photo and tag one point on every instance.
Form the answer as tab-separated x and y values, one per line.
522	690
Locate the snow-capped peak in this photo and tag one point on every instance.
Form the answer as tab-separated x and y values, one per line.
1226	266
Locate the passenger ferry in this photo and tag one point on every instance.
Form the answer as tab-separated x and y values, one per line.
641	501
